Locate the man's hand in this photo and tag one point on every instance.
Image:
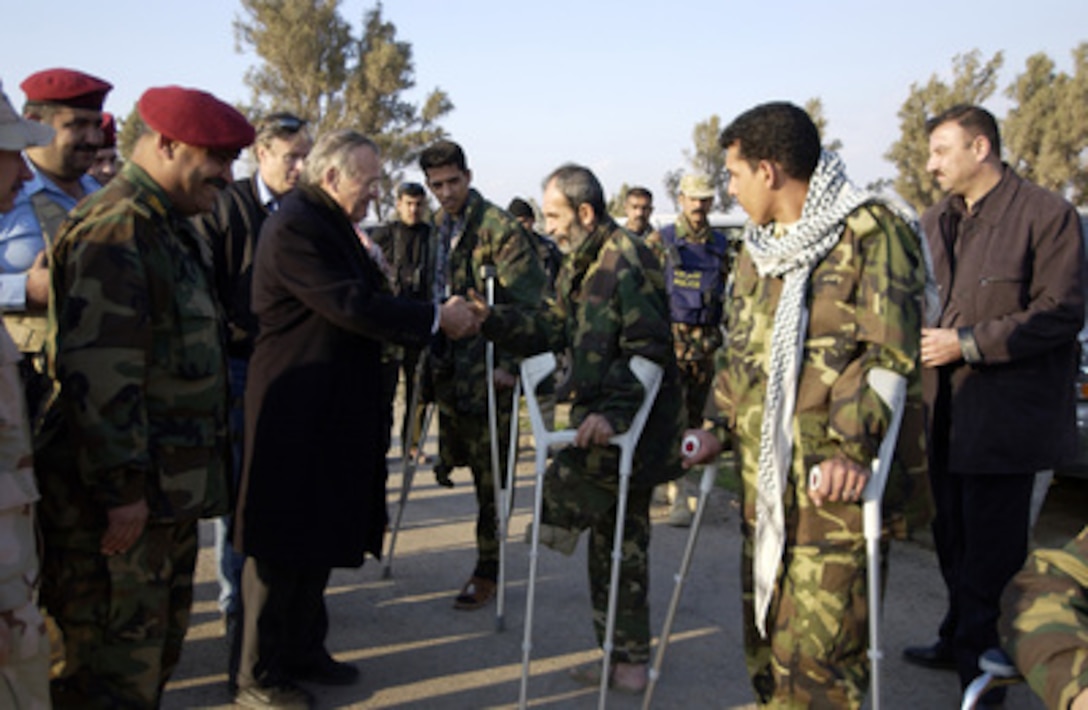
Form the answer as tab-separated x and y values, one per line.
479	305
126	524
37	284
707	451
940	346
503	379
458	319
595	429
840	480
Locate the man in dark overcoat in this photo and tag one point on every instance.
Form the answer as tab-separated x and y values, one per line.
313	489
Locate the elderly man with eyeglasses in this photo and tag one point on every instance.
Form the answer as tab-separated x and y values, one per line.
281	147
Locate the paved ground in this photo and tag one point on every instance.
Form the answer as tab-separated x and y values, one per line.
416	651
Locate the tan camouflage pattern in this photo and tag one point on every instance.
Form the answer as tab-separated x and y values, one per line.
1044	621
865	311
136	347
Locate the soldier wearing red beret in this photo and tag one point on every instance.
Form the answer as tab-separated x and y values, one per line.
106	159
132	449
70	102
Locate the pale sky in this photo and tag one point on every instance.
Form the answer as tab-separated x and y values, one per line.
617	86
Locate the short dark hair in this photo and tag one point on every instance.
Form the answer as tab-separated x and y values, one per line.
639	191
975	120
580	186
520	208
779	132
441	154
413	189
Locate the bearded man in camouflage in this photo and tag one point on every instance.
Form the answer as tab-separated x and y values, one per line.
610	305
133	448
828	286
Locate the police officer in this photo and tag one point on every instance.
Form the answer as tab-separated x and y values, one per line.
696	263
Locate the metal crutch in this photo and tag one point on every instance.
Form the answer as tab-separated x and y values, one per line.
505	508
706	484
892	388
533	371
649	375
408	463
488	273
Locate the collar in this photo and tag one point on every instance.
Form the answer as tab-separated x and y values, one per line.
40	183
153	194
990	206
265	194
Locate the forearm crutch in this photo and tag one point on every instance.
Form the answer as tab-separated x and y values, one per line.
488	273
408	462
891	387
649	375
535	370
706	484
505	507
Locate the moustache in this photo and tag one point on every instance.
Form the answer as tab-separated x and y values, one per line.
87	148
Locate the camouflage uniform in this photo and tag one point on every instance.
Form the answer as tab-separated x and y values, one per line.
136	348
1044	624
488	235
695	343
610	306
24	676
864	303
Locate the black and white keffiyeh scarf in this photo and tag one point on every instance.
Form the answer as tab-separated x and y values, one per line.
791	256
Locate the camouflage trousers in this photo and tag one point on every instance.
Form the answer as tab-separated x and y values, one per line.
24	676
580	492
815	653
123	617
696	376
465	440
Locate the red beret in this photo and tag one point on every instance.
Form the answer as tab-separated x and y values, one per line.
109	131
67	87
195	117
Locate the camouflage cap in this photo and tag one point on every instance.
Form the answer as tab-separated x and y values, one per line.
696	186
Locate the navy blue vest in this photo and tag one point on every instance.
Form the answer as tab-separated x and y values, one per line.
693	277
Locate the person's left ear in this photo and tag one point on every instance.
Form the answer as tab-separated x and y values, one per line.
586	217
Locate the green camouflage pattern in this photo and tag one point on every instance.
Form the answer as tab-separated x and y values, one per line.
493	237
1044	624
136	350
576	502
466	441
123	617
610	305
865	311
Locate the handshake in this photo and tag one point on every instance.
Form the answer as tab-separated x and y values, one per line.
461	317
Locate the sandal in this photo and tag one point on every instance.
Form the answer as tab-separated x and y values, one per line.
476	593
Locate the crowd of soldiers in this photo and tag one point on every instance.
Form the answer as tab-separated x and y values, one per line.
182	345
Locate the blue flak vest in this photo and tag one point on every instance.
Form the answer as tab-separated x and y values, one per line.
693	277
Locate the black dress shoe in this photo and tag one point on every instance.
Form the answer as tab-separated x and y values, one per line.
327	671
939	656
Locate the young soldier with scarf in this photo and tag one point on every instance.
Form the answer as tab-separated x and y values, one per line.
829	285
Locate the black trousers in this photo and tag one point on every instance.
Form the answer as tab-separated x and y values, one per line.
285	621
981	533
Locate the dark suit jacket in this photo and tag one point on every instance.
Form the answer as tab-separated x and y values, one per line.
313	489
1015	279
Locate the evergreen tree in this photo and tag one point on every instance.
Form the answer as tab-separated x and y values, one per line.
313	65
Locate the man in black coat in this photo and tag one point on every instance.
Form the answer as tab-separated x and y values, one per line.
998	370
313	489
